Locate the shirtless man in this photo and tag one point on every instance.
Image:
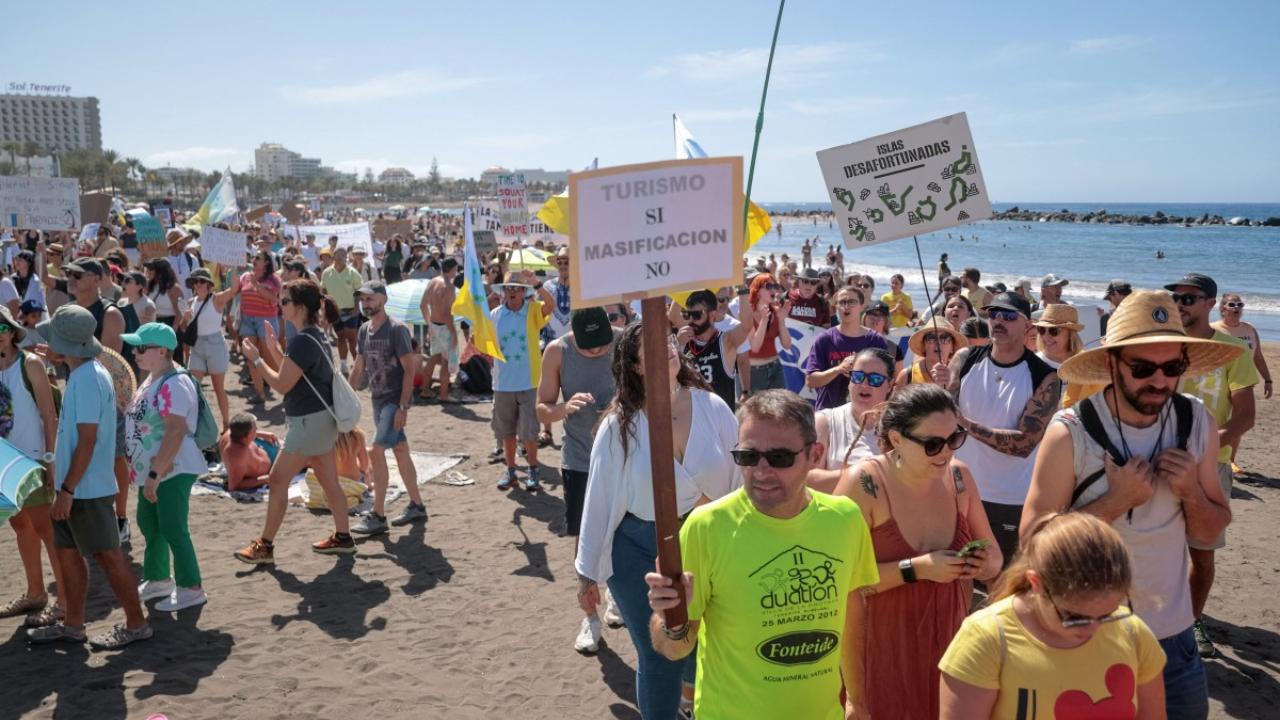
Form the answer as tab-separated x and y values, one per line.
437	307
248	465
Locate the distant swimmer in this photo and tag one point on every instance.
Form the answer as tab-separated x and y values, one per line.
1159	254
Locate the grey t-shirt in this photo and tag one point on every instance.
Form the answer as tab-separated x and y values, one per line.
381	350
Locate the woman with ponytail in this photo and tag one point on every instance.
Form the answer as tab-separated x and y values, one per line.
1059	634
923	508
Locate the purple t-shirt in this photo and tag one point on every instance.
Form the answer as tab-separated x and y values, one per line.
828	349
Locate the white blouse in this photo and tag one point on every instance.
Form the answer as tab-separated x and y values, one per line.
616	486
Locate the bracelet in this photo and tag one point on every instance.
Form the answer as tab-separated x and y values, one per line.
676	634
72	493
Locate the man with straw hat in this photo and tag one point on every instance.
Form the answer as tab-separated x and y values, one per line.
1228	394
1144	458
84	518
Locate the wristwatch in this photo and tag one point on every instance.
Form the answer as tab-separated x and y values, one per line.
406	406
47	457
908	572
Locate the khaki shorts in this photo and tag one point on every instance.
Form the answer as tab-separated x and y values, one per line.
514	413
91	527
310	435
1224	477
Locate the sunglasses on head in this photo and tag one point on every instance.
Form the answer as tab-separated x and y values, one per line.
1188	299
1142	369
1237	305
691	314
874	379
933	445
1050	331
1003	315
777	458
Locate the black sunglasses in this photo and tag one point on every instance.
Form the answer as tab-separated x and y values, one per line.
285	301
1142	369
778	458
1051	332
691	314
875	380
1188	299
75	275
1233	305
615	316
938	338
723	300
1075	620
933	445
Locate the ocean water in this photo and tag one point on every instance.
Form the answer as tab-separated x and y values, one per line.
1245	260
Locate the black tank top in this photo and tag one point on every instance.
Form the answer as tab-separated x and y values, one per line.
709	359
99	312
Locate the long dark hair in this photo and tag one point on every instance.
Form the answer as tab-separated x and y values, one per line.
268	265
162	277
629	398
908	406
20	279
305	292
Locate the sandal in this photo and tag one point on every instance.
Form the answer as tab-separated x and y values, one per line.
23	605
50	615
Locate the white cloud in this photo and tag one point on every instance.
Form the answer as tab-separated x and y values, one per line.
722	65
195	156
1102	45
409	83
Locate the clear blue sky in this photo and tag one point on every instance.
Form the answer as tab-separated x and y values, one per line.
1171	101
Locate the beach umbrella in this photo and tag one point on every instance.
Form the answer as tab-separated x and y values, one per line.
404	301
19	477
529	259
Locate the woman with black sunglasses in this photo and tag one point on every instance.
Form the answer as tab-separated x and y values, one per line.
923	509
1059	633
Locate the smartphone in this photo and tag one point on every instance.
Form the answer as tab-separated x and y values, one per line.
973	546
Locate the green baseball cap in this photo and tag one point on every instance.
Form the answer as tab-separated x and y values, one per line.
153	334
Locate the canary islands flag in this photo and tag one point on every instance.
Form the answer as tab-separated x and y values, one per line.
219	205
555	212
471	304
758	223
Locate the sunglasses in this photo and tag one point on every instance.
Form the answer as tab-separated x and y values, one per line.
1188	299
614	317
1142	369
808	282
1234	305
1075	620
778	458
1004	315
75	275
773	286
4	328
874	379
1051	332
285	301
723	300
938	337
140	349
933	445
865	286
691	314
951	291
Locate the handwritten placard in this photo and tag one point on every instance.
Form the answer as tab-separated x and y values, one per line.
39	203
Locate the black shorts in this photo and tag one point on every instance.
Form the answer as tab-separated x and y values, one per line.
1004	521
575	494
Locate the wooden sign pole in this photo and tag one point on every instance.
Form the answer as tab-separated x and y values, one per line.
657	402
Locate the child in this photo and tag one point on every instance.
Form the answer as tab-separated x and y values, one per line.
352	458
247	453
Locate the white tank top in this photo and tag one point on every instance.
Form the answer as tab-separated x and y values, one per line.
995	396
209	320
842	432
28	433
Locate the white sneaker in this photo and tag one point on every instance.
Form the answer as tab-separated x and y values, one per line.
123	524
588	641
181	599
152	589
612	617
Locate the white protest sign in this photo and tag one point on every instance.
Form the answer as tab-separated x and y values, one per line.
224	246
39	203
914	181
349	235
513	204
655	228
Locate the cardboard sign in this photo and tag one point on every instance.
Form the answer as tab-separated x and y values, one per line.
95	207
38	203
650	229
349	236
485	241
385	228
257	213
914	181
513	204
150	236
164	214
291	212
224	246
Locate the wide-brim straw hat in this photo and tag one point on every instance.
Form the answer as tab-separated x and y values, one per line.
1147	318
916	343
1059	316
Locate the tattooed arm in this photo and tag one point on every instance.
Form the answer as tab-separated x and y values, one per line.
1022	440
953	371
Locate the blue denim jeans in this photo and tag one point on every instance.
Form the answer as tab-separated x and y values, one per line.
635	550
1186	688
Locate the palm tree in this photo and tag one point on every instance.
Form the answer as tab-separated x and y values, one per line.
14	148
133	169
30	150
109	159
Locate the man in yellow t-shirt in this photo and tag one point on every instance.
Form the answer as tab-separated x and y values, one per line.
1228	394
341	282
772	574
899	303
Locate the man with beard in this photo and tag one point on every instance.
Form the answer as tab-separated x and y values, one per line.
1228	394
1007	395
1144	458
712	351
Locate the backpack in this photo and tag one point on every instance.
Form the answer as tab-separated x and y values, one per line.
475	376
26	380
1183	415
346	408
206	435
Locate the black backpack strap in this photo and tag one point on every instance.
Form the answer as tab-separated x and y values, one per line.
1092	423
1184	413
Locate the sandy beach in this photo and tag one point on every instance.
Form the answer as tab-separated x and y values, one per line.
475	616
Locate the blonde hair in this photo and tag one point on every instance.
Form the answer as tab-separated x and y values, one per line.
1074	343
1074	554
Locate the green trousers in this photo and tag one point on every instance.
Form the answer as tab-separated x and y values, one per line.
164	525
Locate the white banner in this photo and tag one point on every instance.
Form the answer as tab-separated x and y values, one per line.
39	203
349	236
224	246
914	181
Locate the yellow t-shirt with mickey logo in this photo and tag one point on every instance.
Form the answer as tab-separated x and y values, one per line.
771	595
